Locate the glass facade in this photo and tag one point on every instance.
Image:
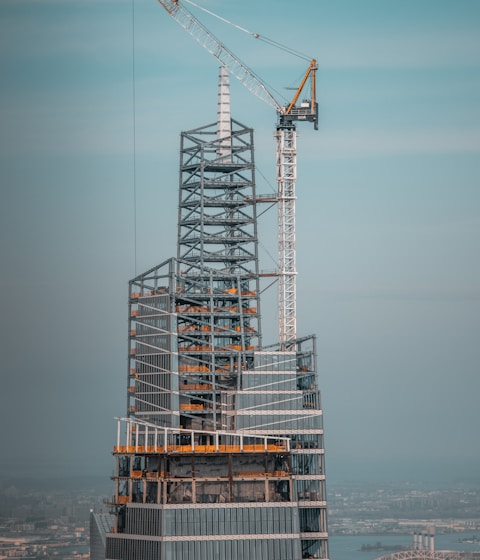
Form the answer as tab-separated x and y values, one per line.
219	532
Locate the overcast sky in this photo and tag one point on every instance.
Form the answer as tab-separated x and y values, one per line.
388	216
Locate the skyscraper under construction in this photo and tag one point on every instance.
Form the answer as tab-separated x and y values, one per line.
221	452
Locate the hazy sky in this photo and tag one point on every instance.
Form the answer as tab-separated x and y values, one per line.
388	216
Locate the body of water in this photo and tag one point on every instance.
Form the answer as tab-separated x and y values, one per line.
349	547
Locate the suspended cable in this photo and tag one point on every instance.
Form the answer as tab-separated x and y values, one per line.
255	35
134	143
284	48
223	19
272	187
274	261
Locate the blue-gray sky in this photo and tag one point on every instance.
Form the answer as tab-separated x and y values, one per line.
388	215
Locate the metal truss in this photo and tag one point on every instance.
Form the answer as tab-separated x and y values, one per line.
287	271
217	222
191	336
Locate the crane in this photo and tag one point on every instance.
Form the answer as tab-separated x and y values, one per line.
286	155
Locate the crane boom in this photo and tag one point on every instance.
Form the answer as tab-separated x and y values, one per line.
216	48
286	156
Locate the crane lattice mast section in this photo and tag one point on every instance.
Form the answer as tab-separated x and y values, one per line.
286	155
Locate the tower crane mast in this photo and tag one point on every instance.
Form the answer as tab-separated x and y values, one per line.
286	155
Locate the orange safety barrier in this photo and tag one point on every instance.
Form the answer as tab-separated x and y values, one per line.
123	499
158	474
193	369
254	447
142	449
134	313
182	448
222	448
135	295
192	309
186	328
196	387
205	348
205	448
250	310
136	474
276	447
190	406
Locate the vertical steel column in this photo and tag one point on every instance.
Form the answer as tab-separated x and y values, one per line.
224	119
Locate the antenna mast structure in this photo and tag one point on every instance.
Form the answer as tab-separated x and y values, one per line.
286	156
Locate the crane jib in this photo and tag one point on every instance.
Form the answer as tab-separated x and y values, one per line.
306	111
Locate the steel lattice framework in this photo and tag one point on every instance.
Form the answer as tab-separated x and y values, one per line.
217	224
286	179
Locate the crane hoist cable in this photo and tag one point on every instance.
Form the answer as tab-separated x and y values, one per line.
252	33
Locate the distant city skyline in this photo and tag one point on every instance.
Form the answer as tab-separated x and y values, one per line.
69	500
388	216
